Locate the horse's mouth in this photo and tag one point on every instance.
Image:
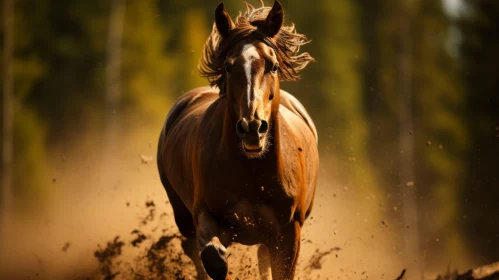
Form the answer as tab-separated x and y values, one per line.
253	150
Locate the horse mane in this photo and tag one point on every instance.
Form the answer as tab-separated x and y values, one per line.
286	45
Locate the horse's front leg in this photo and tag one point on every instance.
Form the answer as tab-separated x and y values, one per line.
213	252
284	251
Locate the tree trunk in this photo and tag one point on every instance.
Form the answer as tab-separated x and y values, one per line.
406	141
113	84
8	106
115	34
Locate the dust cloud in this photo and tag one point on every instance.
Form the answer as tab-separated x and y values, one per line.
106	216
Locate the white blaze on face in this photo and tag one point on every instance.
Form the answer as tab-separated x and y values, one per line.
250	54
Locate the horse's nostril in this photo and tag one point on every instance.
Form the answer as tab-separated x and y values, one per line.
241	130
264	126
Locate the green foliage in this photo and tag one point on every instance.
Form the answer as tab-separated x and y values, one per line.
332	89
344	119
195	30
147	69
59	72
31	173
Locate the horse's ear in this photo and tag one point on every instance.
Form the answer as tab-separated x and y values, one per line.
223	21
274	20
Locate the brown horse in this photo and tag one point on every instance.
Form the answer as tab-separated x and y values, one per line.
239	164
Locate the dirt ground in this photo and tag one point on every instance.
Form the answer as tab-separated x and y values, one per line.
110	219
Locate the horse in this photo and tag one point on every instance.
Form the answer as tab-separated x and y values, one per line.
238	159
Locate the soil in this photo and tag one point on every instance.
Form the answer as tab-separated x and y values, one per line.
162	258
111	220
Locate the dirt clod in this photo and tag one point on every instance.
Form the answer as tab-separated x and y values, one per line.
106	257
316	260
139	239
66	247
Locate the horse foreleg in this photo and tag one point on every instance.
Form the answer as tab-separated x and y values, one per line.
212	250
284	252
264	262
192	251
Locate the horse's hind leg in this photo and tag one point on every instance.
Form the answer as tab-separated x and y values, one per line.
284	252
183	219
185	224
264	262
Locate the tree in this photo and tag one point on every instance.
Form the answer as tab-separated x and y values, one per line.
335	89
194	34
441	134
8	105
479	26
113	70
414	95
148	70
389	98
113	94
404	86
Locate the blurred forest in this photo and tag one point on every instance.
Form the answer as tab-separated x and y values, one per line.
405	96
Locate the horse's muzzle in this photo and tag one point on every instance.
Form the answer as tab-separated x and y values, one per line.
252	133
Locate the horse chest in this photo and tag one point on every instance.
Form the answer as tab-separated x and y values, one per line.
250	200
248	210
248	221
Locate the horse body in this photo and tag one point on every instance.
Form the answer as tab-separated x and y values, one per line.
241	165
244	195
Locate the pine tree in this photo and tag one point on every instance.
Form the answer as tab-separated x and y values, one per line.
414	95
479	26
336	91
147	70
441	134
23	135
8	105
194	34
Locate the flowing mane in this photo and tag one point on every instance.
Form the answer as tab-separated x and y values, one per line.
286	44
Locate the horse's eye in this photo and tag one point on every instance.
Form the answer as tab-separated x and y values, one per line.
227	67
271	96
275	68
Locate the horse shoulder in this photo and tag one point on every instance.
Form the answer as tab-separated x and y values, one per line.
295	106
175	144
181	104
300	159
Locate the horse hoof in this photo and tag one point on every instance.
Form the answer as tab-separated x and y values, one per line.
214	261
